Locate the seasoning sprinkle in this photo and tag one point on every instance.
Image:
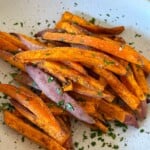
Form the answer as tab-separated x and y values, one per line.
50	79
106	62
92	20
68	106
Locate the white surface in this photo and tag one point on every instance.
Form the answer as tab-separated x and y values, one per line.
135	15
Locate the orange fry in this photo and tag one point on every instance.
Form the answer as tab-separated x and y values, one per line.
13	40
109	46
32	133
86	57
132	101
9	57
6	45
68	16
140	78
57	68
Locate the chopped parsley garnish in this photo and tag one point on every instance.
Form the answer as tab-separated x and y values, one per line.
68	106
137	35
115	147
113	135
76	144
84	136
121	139
15	24
82	148
107	62
99	93
6	106
39	23
141	130
61	103
23	138
108	15
21	24
50	79
131	43
93	135
93	143
92	20
75	4
119	124
59	91
13	74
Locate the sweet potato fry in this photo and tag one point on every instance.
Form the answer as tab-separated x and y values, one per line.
69	27
76	66
34	109
132	101
6	45
110	111
30	42
76	29
86	57
130	82
140	78
57	68
13	40
114	112
32	133
9	57
124	51
92	93
68	16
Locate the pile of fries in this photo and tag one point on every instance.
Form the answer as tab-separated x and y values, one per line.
78	69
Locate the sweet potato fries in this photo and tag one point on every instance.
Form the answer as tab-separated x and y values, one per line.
59	67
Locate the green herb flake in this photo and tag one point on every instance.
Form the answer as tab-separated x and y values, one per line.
13	75
115	147
119	124
15	24
50	105
106	62
48	25
39	23
59	91
76	144
5	96
82	148
50	79
46	21
99	93
75	4
141	130
103	145
121	139
92	20
6	106
21	24
93	143
108	15
61	103
84	136
22	138
68	106
113	135
137	35
93	135
131	43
